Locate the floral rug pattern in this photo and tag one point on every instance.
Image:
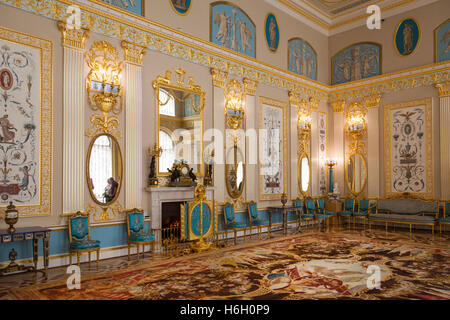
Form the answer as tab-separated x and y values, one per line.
308	266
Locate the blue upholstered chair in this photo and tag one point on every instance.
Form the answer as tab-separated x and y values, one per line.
321	214
362	211
136	232
310	210
445	219
349	208
255	220
80	238
231	223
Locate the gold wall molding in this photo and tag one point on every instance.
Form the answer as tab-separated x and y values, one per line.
133	53
219	77
73	37
372	101
102	214
429	161
444	89
250	86
45	48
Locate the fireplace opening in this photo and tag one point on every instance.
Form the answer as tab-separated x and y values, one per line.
171	217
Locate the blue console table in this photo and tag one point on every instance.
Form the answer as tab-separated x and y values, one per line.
22	234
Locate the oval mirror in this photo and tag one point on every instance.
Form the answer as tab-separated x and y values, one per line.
235	172
104	169
304	174
356	173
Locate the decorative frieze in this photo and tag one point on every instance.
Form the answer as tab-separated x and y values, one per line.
314	103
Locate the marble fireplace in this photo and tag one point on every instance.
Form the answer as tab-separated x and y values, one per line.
161	195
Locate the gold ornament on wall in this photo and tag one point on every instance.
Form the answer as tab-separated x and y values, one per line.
104	89
235	104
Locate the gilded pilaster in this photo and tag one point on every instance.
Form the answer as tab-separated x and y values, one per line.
132	52
338	106
444	118
250	86
73	37
73	41
134	167
373	144
219	77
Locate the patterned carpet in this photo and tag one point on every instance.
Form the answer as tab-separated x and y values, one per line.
308	266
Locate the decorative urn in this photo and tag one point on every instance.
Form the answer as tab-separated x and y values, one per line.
284	199
11	217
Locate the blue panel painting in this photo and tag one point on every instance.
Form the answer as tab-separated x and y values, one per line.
302	58
132	6
181	6
407	37
443	42
359	61
272	32
232	28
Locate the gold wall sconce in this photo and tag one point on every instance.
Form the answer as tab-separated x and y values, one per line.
235	104
104	88
356	125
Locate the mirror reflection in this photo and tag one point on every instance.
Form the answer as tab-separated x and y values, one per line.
105	169
356	173
235	172
304	174
180	129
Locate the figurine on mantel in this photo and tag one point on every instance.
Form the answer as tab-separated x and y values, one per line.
336	190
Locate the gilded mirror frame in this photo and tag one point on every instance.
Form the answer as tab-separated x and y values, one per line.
176	81
235	195
299	174
353	192
88	177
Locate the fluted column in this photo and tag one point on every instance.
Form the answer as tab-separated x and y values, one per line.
314	148
444	102
373	141
251	182
218	80
339	151
74	98
134	149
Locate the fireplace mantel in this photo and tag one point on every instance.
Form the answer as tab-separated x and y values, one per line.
170	194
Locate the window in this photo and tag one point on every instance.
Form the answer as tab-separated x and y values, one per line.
166	103
101	165
168	155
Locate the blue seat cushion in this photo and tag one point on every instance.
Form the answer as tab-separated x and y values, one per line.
345	213
445	220
360	214
84	245
141	237
260	222
236	225
322	216
329	213
308	216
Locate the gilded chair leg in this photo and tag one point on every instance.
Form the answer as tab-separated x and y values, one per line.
70	258
98	257
78	258
153	248
139	257
89	254
128	252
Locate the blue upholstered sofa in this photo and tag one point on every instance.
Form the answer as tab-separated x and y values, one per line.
406	209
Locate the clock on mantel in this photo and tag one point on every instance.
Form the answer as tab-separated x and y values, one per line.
182	175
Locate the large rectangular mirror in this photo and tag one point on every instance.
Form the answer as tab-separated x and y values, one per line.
180	123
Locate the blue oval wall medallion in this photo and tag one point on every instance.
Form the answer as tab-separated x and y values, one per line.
272	32
407	37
